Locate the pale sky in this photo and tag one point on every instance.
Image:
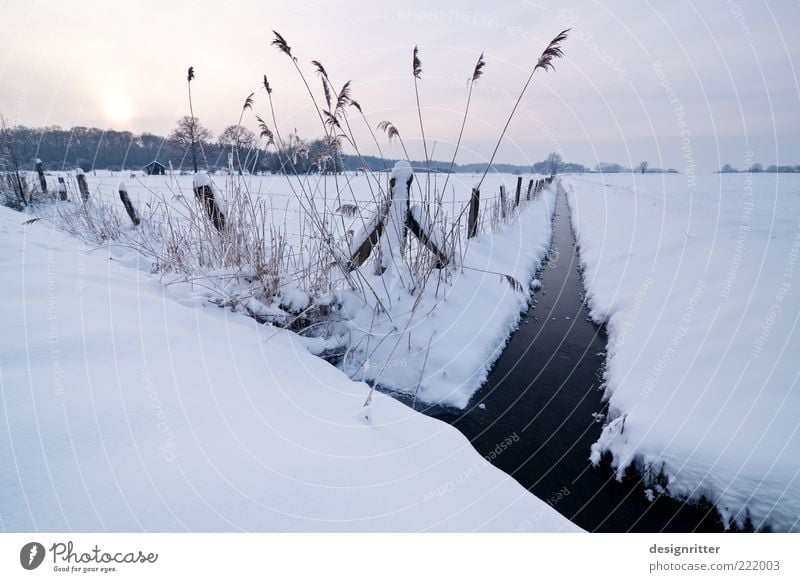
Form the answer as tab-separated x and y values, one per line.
679	83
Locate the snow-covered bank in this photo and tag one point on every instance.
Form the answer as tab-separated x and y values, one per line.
128	406
433	333
441	346
695	281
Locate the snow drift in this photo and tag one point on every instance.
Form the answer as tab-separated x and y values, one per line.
694	279
131	406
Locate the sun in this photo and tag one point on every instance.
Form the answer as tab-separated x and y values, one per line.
118	108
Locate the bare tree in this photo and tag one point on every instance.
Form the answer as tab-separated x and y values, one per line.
190	133
237	136
554	162
643	166
238	139
12	154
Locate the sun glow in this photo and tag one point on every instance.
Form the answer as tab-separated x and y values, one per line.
118	108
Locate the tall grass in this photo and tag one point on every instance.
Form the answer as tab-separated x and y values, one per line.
253	265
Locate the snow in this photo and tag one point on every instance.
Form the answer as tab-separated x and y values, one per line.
201	179
128	405
393	238
693	278
295	299
439	345
401	171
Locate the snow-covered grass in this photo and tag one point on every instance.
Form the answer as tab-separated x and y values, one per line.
433	333
130	406
281	194
695	280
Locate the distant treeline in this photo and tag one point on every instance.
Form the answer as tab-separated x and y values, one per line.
91	148
758	168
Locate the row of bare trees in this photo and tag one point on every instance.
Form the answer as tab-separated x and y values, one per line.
90	148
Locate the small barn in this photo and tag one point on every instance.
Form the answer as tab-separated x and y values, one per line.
155	168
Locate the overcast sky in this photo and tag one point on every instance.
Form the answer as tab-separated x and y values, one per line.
680	84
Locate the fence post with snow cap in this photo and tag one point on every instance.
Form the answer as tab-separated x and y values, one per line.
201	185
42	179
474	208
519	190
83	185
126	202
388	229
62	188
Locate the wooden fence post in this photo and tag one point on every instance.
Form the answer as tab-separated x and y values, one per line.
126	202
201	185
530	187
62	188
502	200
42	179
474	207
83	185
519	189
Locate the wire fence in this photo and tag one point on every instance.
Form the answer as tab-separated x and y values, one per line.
494	211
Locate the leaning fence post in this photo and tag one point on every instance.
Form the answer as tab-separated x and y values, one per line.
126	202
474	207
42	179
201	185
83	185
530	187
519	189
502	200
62	188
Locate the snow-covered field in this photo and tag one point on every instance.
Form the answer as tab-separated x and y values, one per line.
128	405
696	281
281	192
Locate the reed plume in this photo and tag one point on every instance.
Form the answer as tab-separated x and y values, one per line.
189	79
477	72
416	70
545	62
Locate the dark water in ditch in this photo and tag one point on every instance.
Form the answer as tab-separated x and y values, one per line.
545	390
